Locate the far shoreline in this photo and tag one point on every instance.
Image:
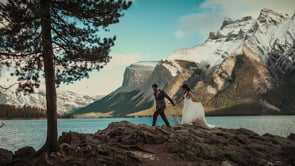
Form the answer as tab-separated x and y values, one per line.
178	116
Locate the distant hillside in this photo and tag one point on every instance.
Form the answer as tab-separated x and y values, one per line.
25	112
66	101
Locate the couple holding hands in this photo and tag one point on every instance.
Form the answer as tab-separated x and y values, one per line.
192	113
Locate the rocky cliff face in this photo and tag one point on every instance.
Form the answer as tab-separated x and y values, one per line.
137	74
274	42
134	95
123	143
234	70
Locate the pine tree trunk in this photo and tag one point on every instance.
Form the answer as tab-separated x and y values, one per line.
51	141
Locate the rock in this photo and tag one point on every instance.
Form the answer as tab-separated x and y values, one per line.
123	143
5	156
24	156
225	163
25	152
291	136
125	134
226	22
65	147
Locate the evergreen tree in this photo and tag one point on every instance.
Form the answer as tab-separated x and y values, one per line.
58	40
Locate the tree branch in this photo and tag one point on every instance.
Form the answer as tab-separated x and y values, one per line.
6	88
18	55
65	40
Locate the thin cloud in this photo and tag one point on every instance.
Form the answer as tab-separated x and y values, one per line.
107	79
212	13
200	23
180	33
119	60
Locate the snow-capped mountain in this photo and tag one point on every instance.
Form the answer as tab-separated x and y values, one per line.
259	35
236	70
66	101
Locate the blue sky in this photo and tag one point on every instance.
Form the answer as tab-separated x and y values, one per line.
153	29
148	28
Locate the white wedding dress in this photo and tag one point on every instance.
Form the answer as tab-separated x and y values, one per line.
193	113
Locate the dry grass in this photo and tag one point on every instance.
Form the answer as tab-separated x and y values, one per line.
94	115
169	111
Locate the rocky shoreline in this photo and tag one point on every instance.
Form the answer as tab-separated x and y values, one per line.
123	143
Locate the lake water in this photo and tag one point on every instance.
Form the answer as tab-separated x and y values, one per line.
20	133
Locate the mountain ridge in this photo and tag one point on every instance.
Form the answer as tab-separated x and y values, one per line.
243	61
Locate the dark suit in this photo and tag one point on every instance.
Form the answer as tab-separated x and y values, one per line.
160	96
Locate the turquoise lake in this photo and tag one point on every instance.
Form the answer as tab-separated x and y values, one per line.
19	133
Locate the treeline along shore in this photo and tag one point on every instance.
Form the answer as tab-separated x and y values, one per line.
24	112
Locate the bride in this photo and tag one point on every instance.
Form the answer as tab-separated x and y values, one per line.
193	111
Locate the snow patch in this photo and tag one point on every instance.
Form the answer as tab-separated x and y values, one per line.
171	68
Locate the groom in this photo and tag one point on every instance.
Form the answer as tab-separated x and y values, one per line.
160	96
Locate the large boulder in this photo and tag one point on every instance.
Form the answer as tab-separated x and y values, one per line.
25	152
123	143
6	156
